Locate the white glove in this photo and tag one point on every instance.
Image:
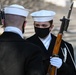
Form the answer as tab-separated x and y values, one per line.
56	61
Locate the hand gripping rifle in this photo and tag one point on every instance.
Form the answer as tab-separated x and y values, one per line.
64	26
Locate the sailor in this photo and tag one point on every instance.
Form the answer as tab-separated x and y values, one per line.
43	37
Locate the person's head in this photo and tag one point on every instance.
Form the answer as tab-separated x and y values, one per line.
15	15
43	22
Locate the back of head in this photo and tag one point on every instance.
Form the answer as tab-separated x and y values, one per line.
15	14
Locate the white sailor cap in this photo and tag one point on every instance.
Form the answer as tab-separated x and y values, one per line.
43	15
16	10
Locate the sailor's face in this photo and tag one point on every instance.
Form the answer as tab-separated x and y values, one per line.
42	24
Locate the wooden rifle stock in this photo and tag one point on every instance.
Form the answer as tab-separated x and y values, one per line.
52	69
55	52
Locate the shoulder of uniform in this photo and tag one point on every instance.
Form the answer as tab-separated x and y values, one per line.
67	43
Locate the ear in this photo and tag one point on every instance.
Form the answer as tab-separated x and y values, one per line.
24	24
2	18
3	22
51	27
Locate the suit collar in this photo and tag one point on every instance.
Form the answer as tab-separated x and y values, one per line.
46	41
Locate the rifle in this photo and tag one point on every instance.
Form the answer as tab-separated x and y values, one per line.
64	26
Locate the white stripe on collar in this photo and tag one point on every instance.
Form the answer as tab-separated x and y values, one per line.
13	29
46	41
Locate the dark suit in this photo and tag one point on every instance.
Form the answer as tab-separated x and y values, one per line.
17	57
67	67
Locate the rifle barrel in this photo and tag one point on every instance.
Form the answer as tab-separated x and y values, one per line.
70	10
68	17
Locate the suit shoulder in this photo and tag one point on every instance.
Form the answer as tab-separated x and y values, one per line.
32	37
63	41
66	44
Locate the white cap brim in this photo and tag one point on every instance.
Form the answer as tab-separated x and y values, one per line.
43	15
16	10
42	19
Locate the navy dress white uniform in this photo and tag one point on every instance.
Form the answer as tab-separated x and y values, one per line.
66	52
18	57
